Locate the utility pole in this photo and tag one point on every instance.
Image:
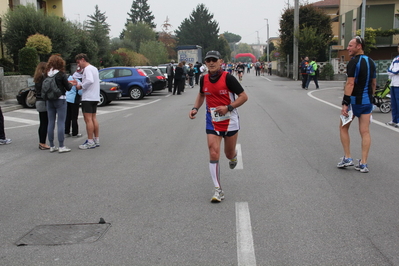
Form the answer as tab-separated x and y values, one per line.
258	53
267	22
363	23
296	33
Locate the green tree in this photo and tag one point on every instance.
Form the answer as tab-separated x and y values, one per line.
224	48
155	52
85	45
199	29
126	57
25	21
309	39
41	43
231	37
309	16
99	30
139	33
369	39
28	58
139	13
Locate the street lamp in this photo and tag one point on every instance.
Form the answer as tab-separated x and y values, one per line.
267	22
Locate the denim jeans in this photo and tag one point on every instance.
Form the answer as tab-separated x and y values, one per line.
54	108
395	104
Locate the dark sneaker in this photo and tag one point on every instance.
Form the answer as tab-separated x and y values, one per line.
361	167
345	162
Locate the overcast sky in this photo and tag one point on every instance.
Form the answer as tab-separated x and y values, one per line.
242	17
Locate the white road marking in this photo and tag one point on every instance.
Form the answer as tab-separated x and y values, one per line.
239	157
266	78
29	122
245	242
339	107
27	111
21	120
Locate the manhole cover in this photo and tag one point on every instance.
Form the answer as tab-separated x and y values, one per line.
64	234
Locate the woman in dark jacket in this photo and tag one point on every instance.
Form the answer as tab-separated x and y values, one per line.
41	105
178	78
56	67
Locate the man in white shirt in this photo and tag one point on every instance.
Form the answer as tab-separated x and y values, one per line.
90	97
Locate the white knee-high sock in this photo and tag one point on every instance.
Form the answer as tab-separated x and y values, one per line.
215	173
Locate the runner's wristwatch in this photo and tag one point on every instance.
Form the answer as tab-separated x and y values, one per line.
230	108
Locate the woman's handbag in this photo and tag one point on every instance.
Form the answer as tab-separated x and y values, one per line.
31	97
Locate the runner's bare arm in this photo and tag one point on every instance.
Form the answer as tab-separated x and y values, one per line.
197	105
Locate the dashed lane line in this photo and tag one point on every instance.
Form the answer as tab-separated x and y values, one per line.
245	242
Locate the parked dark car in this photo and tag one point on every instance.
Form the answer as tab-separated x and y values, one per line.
109	92
158	80
163	69
133	82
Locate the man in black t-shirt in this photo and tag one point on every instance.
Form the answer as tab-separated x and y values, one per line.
358	94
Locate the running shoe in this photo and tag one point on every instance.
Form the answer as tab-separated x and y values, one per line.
53	149
233	162
218	196
97	142
87	145
392	124
5	141
345	162
77	135
361	167
64	149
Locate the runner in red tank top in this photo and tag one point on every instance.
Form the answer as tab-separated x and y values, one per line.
223	94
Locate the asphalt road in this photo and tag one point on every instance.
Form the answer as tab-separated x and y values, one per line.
286	204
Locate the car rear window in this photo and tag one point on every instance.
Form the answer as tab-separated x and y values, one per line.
125	72
147	71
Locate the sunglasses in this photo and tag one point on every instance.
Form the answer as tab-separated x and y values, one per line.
208	60
359	39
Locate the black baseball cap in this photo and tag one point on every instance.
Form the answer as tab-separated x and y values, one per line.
213	54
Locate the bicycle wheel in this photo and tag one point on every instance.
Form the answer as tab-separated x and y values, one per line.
385	107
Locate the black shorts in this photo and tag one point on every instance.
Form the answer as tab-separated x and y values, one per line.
89	107
222	133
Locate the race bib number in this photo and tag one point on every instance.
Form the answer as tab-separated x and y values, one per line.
216	117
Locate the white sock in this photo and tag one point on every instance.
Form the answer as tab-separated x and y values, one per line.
215	173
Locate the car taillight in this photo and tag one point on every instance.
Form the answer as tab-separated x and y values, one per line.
114	89
160	77
141	72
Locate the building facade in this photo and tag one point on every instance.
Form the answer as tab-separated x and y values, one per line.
50	6
380	14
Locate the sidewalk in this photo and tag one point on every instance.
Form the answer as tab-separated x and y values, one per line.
10	105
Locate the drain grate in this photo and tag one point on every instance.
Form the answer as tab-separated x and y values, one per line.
64	234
